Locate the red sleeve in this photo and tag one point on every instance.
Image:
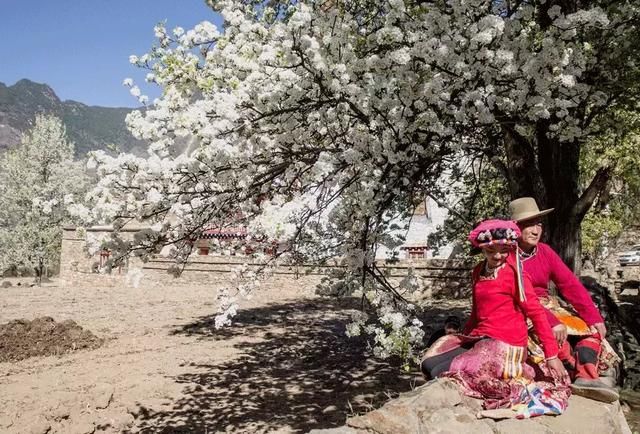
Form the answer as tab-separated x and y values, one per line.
534	310
572	290
553	320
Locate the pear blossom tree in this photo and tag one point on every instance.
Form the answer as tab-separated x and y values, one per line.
318	123
38	178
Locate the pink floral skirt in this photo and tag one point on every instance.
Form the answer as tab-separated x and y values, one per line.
498	373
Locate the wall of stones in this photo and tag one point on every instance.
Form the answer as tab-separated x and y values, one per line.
436	277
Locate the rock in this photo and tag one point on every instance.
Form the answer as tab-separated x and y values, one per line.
456	420
586	415
408	412
101	395
437	407
6	284
38	426
522	426
7	418
330	409
340	430
82	427
122	422
58	413
118	421
496	414
78	423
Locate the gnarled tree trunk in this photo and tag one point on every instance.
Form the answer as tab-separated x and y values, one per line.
549	171
559	166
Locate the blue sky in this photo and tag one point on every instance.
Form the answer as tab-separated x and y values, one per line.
81	48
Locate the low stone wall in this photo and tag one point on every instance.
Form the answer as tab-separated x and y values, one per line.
74	259
627	278
437	277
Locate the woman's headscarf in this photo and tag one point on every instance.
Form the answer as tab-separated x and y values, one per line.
495	232
499	232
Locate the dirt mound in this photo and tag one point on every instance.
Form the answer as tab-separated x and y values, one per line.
21	339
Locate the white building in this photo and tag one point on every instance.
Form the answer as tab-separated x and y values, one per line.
425	220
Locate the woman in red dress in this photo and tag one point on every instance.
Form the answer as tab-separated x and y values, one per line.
488	359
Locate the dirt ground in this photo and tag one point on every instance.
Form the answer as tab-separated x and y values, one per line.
284	366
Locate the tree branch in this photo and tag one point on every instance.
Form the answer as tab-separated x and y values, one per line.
597	186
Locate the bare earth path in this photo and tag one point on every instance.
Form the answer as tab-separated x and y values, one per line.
285	366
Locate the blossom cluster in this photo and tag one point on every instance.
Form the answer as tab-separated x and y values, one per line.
317	124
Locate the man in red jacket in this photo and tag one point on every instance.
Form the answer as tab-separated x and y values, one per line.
543	265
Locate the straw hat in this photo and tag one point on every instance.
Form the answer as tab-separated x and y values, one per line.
526	208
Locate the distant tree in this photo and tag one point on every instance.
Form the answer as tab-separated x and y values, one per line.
36	178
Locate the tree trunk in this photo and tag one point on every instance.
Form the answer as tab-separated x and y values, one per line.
563	234
39	272
523	176
559	166
549	171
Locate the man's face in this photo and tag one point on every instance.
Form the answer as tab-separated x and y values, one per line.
531	232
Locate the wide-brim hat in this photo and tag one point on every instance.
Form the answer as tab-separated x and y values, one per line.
526	208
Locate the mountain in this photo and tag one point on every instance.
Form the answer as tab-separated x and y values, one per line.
89	127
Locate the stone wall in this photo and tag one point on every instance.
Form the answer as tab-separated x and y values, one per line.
74	258
437	277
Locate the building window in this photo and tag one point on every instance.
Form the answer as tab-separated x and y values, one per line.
416	252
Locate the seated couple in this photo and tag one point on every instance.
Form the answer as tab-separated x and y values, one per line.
494	357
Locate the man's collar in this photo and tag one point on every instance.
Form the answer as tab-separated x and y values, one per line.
524	255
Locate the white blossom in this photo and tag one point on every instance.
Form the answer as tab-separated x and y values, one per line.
314	127
135	91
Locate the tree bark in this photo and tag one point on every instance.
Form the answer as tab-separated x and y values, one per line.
559	166
523	176
549	171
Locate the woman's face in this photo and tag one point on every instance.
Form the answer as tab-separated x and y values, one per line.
531	233
496	255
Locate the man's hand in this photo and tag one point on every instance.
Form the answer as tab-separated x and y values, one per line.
558	371
560	332
599	328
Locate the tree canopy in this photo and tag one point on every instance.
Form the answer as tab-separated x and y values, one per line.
320	122
37	179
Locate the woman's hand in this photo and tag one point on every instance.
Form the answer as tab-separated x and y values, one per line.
600	328
560	333
557	370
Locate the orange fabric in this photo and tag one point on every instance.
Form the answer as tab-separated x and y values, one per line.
574	323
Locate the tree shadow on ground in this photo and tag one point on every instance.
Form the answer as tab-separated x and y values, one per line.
300	374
